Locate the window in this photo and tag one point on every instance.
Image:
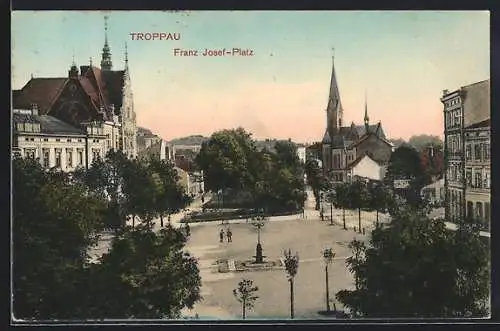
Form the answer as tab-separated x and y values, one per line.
46	157
29	153
79	140
80	157
58	158
478	183
57	139
468	152
45	139
486	151
69	140
27	139
479	210
468	176
69	158
32	139
486	183
477	152
95	154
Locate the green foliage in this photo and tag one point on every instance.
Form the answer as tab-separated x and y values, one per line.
417	268
57	217
245	294
230	162
422	141
316	180
53	225
144	275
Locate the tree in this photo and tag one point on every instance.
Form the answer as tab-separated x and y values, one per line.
342	200
315	179
291	267
432	162
415	267
53	224
420	142
145	274
170	195
225	160
379	197
405	164
245	294
358	195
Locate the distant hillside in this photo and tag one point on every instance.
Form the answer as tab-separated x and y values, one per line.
190	140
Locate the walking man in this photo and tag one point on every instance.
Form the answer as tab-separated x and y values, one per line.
188	230
229	236
221	235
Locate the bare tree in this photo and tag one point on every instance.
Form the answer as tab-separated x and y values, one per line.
291	267
245	294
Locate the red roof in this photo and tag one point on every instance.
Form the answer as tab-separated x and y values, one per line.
41	91
104	88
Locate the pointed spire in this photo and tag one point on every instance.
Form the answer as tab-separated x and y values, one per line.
366	119
90	61
334	108
126	57
73	70
106	63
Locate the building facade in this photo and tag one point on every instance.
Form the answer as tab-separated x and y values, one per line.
464	109
478	171
98	102
344	145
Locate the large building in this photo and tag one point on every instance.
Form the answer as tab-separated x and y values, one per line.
96	102
345	146
467	151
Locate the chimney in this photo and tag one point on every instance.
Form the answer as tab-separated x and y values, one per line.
34	109
445	92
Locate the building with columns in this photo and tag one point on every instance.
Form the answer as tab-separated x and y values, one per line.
97	103
343	147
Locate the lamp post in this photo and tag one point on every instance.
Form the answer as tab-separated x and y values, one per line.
328	256
322	213
259	224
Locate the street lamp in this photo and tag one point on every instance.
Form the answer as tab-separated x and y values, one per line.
258	224
328	256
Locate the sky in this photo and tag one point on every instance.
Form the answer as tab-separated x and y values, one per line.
402	60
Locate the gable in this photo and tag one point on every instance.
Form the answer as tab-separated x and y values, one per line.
74	104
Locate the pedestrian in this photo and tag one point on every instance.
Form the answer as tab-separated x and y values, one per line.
229	236
221	235
188	230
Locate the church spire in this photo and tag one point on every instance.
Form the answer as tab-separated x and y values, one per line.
367	119
126	57
106	63
334	109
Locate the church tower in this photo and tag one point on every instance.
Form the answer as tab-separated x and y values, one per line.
106	63
334	110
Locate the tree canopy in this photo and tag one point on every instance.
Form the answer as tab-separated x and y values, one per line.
415	267
58	217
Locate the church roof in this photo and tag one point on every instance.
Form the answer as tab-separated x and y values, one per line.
41	91
361	157
326	138
48	124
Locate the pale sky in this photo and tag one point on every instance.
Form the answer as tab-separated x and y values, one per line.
402	59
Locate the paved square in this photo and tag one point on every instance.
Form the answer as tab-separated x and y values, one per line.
306	236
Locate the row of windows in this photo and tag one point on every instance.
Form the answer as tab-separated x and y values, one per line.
453	102
478	178
479	210
69	152
454	144
481	152
28	127
56	139
453	118
455	172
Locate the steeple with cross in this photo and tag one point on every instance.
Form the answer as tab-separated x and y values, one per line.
106	63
